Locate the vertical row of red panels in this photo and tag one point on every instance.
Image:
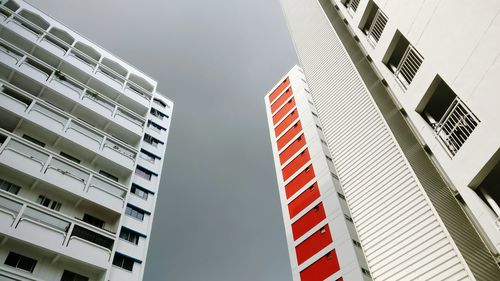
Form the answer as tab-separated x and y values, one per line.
297	171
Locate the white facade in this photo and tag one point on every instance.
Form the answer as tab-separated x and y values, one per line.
82	144
407	95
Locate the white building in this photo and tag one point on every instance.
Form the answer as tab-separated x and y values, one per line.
407	95
82	144
322	240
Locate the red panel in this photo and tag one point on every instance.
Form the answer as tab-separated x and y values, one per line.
289	135
308	221
295	146
321	269
279	89
285	124
299	181
303	200
284	111
313	244
297	163
288	93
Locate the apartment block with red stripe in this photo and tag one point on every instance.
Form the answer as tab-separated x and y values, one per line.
322	240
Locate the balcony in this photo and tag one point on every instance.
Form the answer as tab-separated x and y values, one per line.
374	24
404	60
456	122
456	126
56	82
61	123
58	171
103	74
54	231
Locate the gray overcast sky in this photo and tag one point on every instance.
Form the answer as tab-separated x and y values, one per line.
218	215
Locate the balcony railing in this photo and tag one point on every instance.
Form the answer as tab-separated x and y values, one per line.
54	169
377	27
54	230
71	87
456	125
34	32
408	66
57	120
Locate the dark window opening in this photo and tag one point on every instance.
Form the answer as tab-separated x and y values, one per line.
71	276
9	187
129	235
67	156
93	221
134	212
93	237
108	175
33	140
49	203
123	262
19	261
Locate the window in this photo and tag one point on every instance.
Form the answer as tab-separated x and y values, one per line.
155	126
135	212
108	175
150	157
123	262
71	276
92	236
9	187
314	114
139	191
329	158
93	220
67	156
317	126
450	118
127	234
341	196
143	173
151	140
158	113
348	218
33	140
49	203
375	21
351	5
403	60
19	261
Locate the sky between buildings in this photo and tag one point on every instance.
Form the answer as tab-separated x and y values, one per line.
218	215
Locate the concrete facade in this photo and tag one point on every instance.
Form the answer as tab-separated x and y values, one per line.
406	94
83	136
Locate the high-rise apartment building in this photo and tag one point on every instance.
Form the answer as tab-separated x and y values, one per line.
406	95
82	144
320	234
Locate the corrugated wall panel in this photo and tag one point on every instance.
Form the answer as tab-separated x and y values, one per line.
401	234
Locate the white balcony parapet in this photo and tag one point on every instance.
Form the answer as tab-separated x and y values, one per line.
10	54
47	75
455	126
32	31
61	122
55	231
58	171
43	114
